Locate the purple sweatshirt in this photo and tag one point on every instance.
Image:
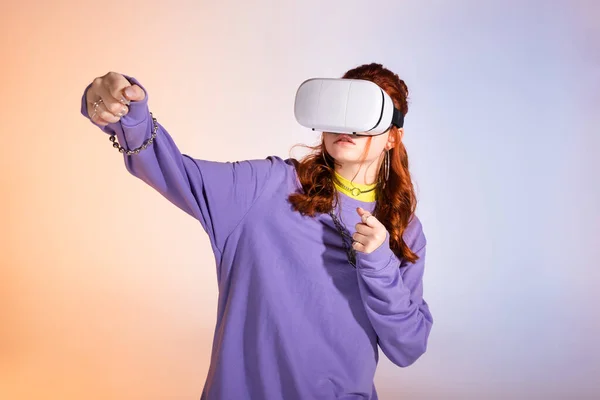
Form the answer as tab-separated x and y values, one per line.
295	320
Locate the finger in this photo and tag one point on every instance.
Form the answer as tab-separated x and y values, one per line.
99	94
364	214
113	107
91	96
97	120
360	238
359	247
116	84
99	109
109	91
364	229
95	111
372	221
134	93
365	219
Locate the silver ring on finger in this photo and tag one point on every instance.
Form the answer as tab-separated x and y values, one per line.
97	104
97	108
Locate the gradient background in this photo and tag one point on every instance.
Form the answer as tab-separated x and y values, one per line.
107	291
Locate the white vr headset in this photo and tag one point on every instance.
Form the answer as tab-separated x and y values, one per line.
352	106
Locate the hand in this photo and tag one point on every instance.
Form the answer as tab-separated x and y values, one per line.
108	97
370	233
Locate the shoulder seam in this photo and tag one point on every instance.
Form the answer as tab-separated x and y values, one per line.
245	214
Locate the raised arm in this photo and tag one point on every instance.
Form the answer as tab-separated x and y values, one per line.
218	194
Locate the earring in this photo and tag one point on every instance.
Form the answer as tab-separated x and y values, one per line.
387	165
386	168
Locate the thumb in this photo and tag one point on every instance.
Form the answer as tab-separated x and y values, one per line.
361	211
134	93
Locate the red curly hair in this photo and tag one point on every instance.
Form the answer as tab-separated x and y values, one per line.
396	200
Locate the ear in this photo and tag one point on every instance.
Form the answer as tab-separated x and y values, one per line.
393	137
400	134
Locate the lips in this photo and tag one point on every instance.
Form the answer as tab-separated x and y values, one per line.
345	138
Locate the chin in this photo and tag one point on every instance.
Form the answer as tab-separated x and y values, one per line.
344	156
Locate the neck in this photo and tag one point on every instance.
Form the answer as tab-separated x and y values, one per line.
358	173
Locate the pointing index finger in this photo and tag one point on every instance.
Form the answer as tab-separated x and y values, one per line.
370	220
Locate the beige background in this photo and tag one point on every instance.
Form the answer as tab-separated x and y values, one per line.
107	291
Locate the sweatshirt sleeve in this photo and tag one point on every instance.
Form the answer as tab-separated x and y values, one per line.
218	194
392	293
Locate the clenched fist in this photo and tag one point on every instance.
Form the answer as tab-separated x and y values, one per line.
109	96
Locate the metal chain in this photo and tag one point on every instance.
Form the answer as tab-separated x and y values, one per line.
144	145
354	190
350	252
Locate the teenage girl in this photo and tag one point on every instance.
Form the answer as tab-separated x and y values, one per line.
319	261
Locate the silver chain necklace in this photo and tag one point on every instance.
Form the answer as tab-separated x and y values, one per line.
354	190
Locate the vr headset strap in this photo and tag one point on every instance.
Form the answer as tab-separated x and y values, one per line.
397	118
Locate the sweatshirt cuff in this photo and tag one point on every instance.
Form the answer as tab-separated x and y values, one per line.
377	260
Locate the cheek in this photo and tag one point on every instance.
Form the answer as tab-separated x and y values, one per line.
326	143
378	145
329	138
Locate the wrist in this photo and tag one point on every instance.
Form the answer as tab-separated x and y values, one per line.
377	259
